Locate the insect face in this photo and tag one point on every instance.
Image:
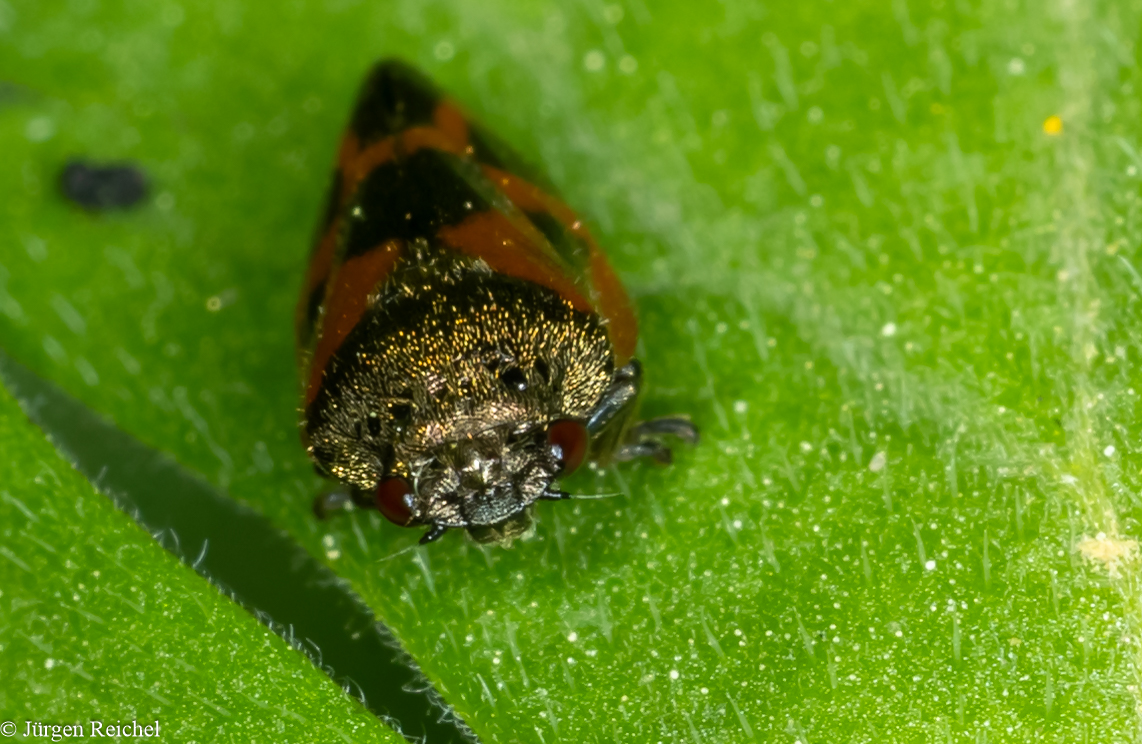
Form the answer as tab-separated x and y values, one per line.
486	478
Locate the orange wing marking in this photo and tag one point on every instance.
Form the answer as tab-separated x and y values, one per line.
449	119
507	249
348	298
613	302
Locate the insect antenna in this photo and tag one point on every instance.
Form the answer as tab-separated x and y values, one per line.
552	494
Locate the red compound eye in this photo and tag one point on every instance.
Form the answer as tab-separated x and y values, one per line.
394	500
568	440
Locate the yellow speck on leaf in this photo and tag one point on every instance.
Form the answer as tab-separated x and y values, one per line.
1053	125
1108	550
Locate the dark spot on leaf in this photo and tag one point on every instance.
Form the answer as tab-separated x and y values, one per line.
103	187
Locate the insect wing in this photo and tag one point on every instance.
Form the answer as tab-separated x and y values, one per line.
412	167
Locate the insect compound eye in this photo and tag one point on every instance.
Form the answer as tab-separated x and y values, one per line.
514	378
568	440
394	500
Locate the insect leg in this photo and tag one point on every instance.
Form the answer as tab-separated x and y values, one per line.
612	440
608	422
675	426
619	399
434	533
651	448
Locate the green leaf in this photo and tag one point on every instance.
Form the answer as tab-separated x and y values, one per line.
99	624
899	299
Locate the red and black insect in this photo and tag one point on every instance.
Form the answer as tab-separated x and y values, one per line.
463	341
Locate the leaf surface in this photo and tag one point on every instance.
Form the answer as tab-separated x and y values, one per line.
884	253
101	626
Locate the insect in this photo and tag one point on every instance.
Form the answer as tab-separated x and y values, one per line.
463	342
